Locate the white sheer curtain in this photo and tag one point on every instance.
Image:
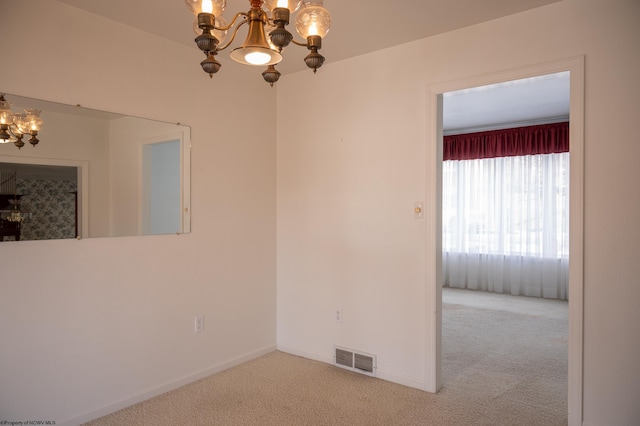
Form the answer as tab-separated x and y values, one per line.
506	224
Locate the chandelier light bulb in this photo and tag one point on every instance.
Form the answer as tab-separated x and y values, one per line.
313	19
292	5
257	58
215	7
313	29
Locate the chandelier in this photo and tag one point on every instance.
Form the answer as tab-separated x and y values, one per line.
266	17
15	214
14	126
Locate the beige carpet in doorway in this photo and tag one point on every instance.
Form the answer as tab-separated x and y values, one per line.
505	363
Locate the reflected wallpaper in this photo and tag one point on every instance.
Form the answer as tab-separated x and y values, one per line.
52	204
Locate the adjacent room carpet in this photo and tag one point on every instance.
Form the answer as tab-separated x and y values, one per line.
504	363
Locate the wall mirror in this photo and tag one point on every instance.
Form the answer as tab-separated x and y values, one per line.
94	174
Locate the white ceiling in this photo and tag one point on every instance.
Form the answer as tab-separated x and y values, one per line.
536	100
530	101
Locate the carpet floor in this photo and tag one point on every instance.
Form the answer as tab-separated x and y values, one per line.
504	363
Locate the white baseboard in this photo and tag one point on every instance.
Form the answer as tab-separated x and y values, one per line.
380	374
401	380
111	408
304	354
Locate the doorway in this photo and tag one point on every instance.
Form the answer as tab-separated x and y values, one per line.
575	66
161	188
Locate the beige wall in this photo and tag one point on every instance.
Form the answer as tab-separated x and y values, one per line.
89	326
347	183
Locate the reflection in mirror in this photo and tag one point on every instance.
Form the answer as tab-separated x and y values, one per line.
38	202
94	174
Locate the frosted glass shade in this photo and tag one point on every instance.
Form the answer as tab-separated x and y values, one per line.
313	19
32	120
19	126
6	116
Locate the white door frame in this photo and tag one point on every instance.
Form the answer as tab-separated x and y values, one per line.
184	138
433	207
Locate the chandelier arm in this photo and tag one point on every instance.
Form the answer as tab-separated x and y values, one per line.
233	21
299	43
233	36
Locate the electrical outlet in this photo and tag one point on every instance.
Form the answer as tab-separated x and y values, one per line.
338	316
199	324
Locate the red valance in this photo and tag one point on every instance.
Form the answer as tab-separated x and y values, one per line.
530	140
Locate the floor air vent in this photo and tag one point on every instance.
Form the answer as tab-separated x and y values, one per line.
359	362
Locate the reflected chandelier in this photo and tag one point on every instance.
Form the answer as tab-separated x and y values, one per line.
9	186
14	126
265	17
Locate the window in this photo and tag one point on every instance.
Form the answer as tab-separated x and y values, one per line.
508	205
506	218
